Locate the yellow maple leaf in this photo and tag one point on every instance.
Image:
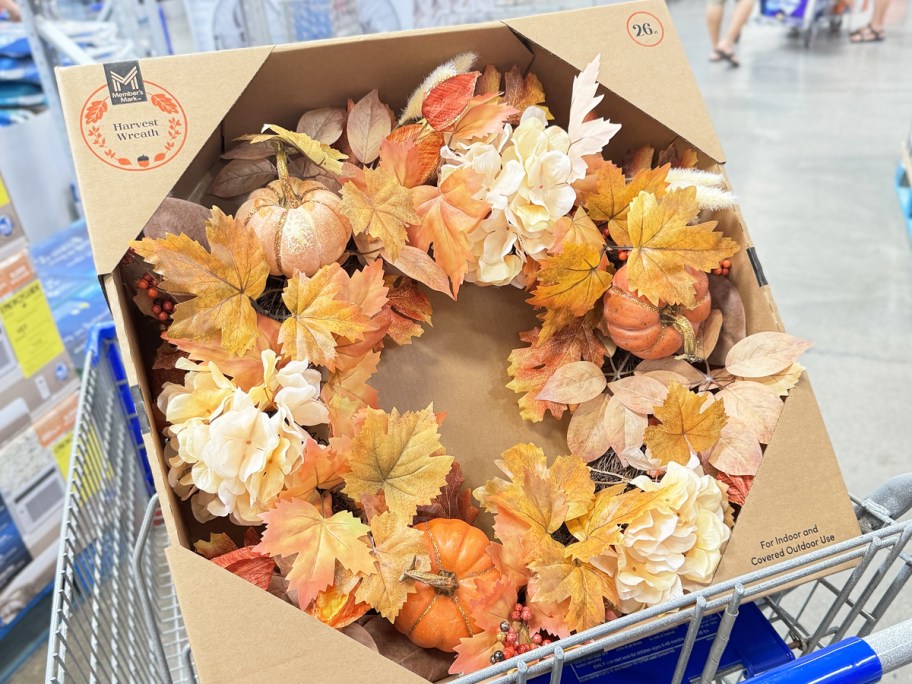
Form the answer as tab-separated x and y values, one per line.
400	456
318	312
688	424
346	391
600	527
569	284
223	282
296	528
607	195
663	246
382	208
556	578
541	497
396	548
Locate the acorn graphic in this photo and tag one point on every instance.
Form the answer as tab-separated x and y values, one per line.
143	161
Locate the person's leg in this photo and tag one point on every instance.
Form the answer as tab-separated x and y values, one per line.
874	30
714	14
739	18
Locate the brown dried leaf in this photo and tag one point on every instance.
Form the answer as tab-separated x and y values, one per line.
241	176
454	500
324	125
708	336
726	298
369	122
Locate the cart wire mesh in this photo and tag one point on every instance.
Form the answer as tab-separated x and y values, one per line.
116	617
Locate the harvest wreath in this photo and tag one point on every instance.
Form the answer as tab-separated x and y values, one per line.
274	320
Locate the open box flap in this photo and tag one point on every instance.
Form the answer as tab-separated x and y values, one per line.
238	636
204	85
649	70
798	472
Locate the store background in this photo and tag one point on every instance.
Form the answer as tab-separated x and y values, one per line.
812	137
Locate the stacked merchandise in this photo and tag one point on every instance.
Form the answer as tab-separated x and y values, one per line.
67	272
21	93
38	399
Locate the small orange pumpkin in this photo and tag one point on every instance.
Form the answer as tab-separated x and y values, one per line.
438	614
298	223
653	332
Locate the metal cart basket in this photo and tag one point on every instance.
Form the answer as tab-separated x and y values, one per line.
116	618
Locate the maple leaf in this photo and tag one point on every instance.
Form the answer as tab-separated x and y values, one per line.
509	557
409	307
601	526
569	284
412	153
320	471
396	548
382	209
531	367
523	92
454	500
493	603
297	527
607	195
664	246
222	281
346	391
365	288
541	497
399	455
556	578
448	213
688	424
474	652
337	605
318	313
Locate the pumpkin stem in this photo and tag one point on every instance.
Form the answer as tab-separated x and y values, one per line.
679	322
444	582
288	198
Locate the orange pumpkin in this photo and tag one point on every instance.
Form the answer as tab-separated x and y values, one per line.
298	223
653	332
438	615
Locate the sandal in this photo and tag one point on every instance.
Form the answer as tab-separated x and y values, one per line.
866	34
728	57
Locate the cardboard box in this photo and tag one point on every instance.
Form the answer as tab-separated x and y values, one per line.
33	468
217	97
35	368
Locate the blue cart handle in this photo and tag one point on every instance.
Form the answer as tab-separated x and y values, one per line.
852	661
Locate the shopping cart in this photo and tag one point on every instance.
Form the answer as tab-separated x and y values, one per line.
116	619
804	18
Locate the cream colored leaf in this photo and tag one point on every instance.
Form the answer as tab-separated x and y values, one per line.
692	376
418	265
639	393
624	429
763	354
784	380
574	383
368	124
586	434
737	452
756	405
399	455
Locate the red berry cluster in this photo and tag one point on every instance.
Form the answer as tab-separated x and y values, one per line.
162	306
515	637
724	267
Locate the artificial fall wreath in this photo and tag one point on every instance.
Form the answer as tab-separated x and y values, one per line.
277	317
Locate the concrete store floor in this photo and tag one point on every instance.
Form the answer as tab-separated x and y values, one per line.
813	139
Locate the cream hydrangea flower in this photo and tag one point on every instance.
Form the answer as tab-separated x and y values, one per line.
674	548
493	244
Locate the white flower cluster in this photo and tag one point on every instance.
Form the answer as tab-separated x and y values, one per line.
231	450
675	548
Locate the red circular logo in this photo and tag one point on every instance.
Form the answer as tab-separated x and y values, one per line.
135	136
645	29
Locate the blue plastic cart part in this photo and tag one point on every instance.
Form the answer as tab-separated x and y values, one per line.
852	661
753	646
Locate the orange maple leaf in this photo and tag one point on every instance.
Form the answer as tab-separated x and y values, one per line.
346	391
223	282
408	307
448	214
296	528
484	115
381	208
531	367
